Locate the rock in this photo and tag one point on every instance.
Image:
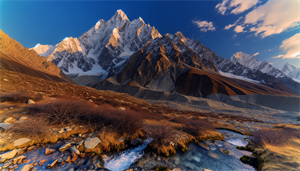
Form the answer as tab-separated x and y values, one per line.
90	100
49	151
5	79
8	120
21	141
11	108
67	158
30	101
62	130
120	140
136	141
74	156
30	148
22	118
68	129
90	143
27	167
172	144
122	108
42	162
52	164
176	169
9	155
7	164
64	147
75	150
5	125
204	146
19	159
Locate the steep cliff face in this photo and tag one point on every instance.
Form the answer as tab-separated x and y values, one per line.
291	71
15	57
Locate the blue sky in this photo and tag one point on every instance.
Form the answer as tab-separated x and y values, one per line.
258	30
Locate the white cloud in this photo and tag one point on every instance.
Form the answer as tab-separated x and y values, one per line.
279	56
291	46
221	7
239	29
256	54
236	6
273	17
237	44
271	63
234	24
204	25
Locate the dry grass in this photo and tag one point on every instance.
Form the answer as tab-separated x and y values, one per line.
194	126
19	97
282	137
162	136
109	141
33	127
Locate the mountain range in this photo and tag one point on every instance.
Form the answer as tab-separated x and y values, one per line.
112	47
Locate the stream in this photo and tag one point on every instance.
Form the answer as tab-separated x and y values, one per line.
196	158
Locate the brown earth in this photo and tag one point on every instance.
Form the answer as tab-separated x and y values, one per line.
14	57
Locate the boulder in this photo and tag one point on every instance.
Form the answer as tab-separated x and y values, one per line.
19	159
27	167
75	150
8	120
91	143
122	108
5	125
136	141
21	141
30	101
9	155
49	151
22	118
62	130
65	147
52	164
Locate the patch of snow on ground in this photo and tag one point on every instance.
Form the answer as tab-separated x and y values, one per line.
229	75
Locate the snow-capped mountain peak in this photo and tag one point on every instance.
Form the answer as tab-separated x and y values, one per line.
104	47
251	62
43	50
290	71
119	16
243	59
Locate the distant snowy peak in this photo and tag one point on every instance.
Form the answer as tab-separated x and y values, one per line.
43	50
252	63
104	47
290	71
243	59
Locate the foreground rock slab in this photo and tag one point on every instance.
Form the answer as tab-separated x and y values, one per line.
9	155
91	143
21	141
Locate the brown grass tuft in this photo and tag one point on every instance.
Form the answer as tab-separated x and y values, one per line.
32	127
18	97
282	137
194	126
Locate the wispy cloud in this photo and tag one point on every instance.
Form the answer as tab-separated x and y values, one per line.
237	44
239	29
235	6
234	24
272	17
291	46
234	36
257	53
204	25
279	56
